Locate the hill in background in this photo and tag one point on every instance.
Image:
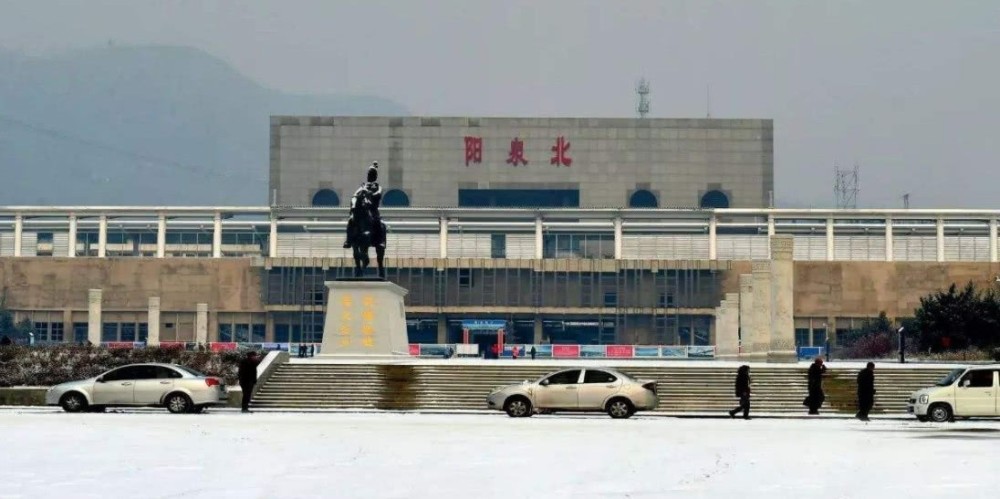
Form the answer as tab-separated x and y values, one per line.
144	126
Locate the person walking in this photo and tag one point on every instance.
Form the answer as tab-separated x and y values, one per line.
533	352
248	377
816	396
743	392
866	391
514	351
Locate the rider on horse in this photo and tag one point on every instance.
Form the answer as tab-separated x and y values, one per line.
372	192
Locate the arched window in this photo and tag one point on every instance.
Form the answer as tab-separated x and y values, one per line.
325	197
715	199
642	199
395	197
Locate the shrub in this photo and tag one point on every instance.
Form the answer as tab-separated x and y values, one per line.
51	365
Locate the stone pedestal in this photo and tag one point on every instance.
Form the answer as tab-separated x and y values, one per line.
746	313
727	323
782	347
365	318
760	332
94	297
153	322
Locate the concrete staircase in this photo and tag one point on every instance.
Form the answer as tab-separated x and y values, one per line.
682	389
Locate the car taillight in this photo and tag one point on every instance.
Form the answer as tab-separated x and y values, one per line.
651	386
212	382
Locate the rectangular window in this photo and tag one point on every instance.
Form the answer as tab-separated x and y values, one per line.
819	337
41	330
109	331
242	333
610	299
257	333
498	246
80	334
56	332
128	331
802	337
226	333
465	278
143	331
281	333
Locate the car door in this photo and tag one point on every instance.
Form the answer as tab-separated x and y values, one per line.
597	386
975	394
559	391
155	382
115	387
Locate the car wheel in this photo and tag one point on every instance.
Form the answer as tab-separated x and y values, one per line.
517	407
178	403
73	402
939	413
620	408
922	419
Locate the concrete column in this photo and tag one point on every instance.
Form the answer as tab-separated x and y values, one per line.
940	239
201	323
443	237
760	335
618	238
782	348
539	240
727	318
770	225
217	236
442	336
71	247
713	241
18	233
830	253
888	240
153	322
69	335
268	327
272	240
102	237
746	313
161	236
993	239
538	338
94	323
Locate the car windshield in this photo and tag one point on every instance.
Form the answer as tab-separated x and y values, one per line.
950	378
190	371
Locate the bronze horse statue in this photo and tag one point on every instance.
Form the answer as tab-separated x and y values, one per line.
365	228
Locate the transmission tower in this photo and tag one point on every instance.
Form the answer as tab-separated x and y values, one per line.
642	90
845	187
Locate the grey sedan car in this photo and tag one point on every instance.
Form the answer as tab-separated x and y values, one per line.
579	389
175	387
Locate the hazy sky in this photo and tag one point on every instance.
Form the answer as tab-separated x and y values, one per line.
909	89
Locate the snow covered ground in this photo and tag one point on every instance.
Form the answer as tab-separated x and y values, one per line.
152	454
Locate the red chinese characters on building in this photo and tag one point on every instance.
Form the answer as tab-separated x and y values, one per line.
559	156
516	155
473	150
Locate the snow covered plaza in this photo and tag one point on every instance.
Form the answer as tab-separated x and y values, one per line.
149	454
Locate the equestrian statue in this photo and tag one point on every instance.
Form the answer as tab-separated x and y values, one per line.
364	227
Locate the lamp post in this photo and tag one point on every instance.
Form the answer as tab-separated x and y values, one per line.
827	346
902	345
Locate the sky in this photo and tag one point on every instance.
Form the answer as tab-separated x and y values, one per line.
907	89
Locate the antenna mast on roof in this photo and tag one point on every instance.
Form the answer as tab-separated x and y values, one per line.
642	90
845	187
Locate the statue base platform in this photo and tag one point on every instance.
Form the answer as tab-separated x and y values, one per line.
365	319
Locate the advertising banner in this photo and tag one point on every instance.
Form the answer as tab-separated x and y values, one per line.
180	345
808	353
592	351
433	350
124	345
414	350
619	351
641	351
541	351
701	352
565	351
221	347
673	352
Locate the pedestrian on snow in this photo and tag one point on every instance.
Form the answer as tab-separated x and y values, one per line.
816	396
533	352
5	341
866	391
743	392
248	377
514	351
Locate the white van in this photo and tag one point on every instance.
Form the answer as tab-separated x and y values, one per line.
968	392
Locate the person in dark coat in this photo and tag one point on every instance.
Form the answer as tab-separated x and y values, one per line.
866	391
248	377
816	396
743	392
533	352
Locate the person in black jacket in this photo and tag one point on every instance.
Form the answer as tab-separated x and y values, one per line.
743	392
248	377
866	391
816	396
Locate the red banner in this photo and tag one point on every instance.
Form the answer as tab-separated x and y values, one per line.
564	351
173	344
127	345
620	351
415	350
221	347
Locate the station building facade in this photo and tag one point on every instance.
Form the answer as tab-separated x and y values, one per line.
524	162
559	275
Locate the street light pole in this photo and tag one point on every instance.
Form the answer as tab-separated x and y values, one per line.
902	346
